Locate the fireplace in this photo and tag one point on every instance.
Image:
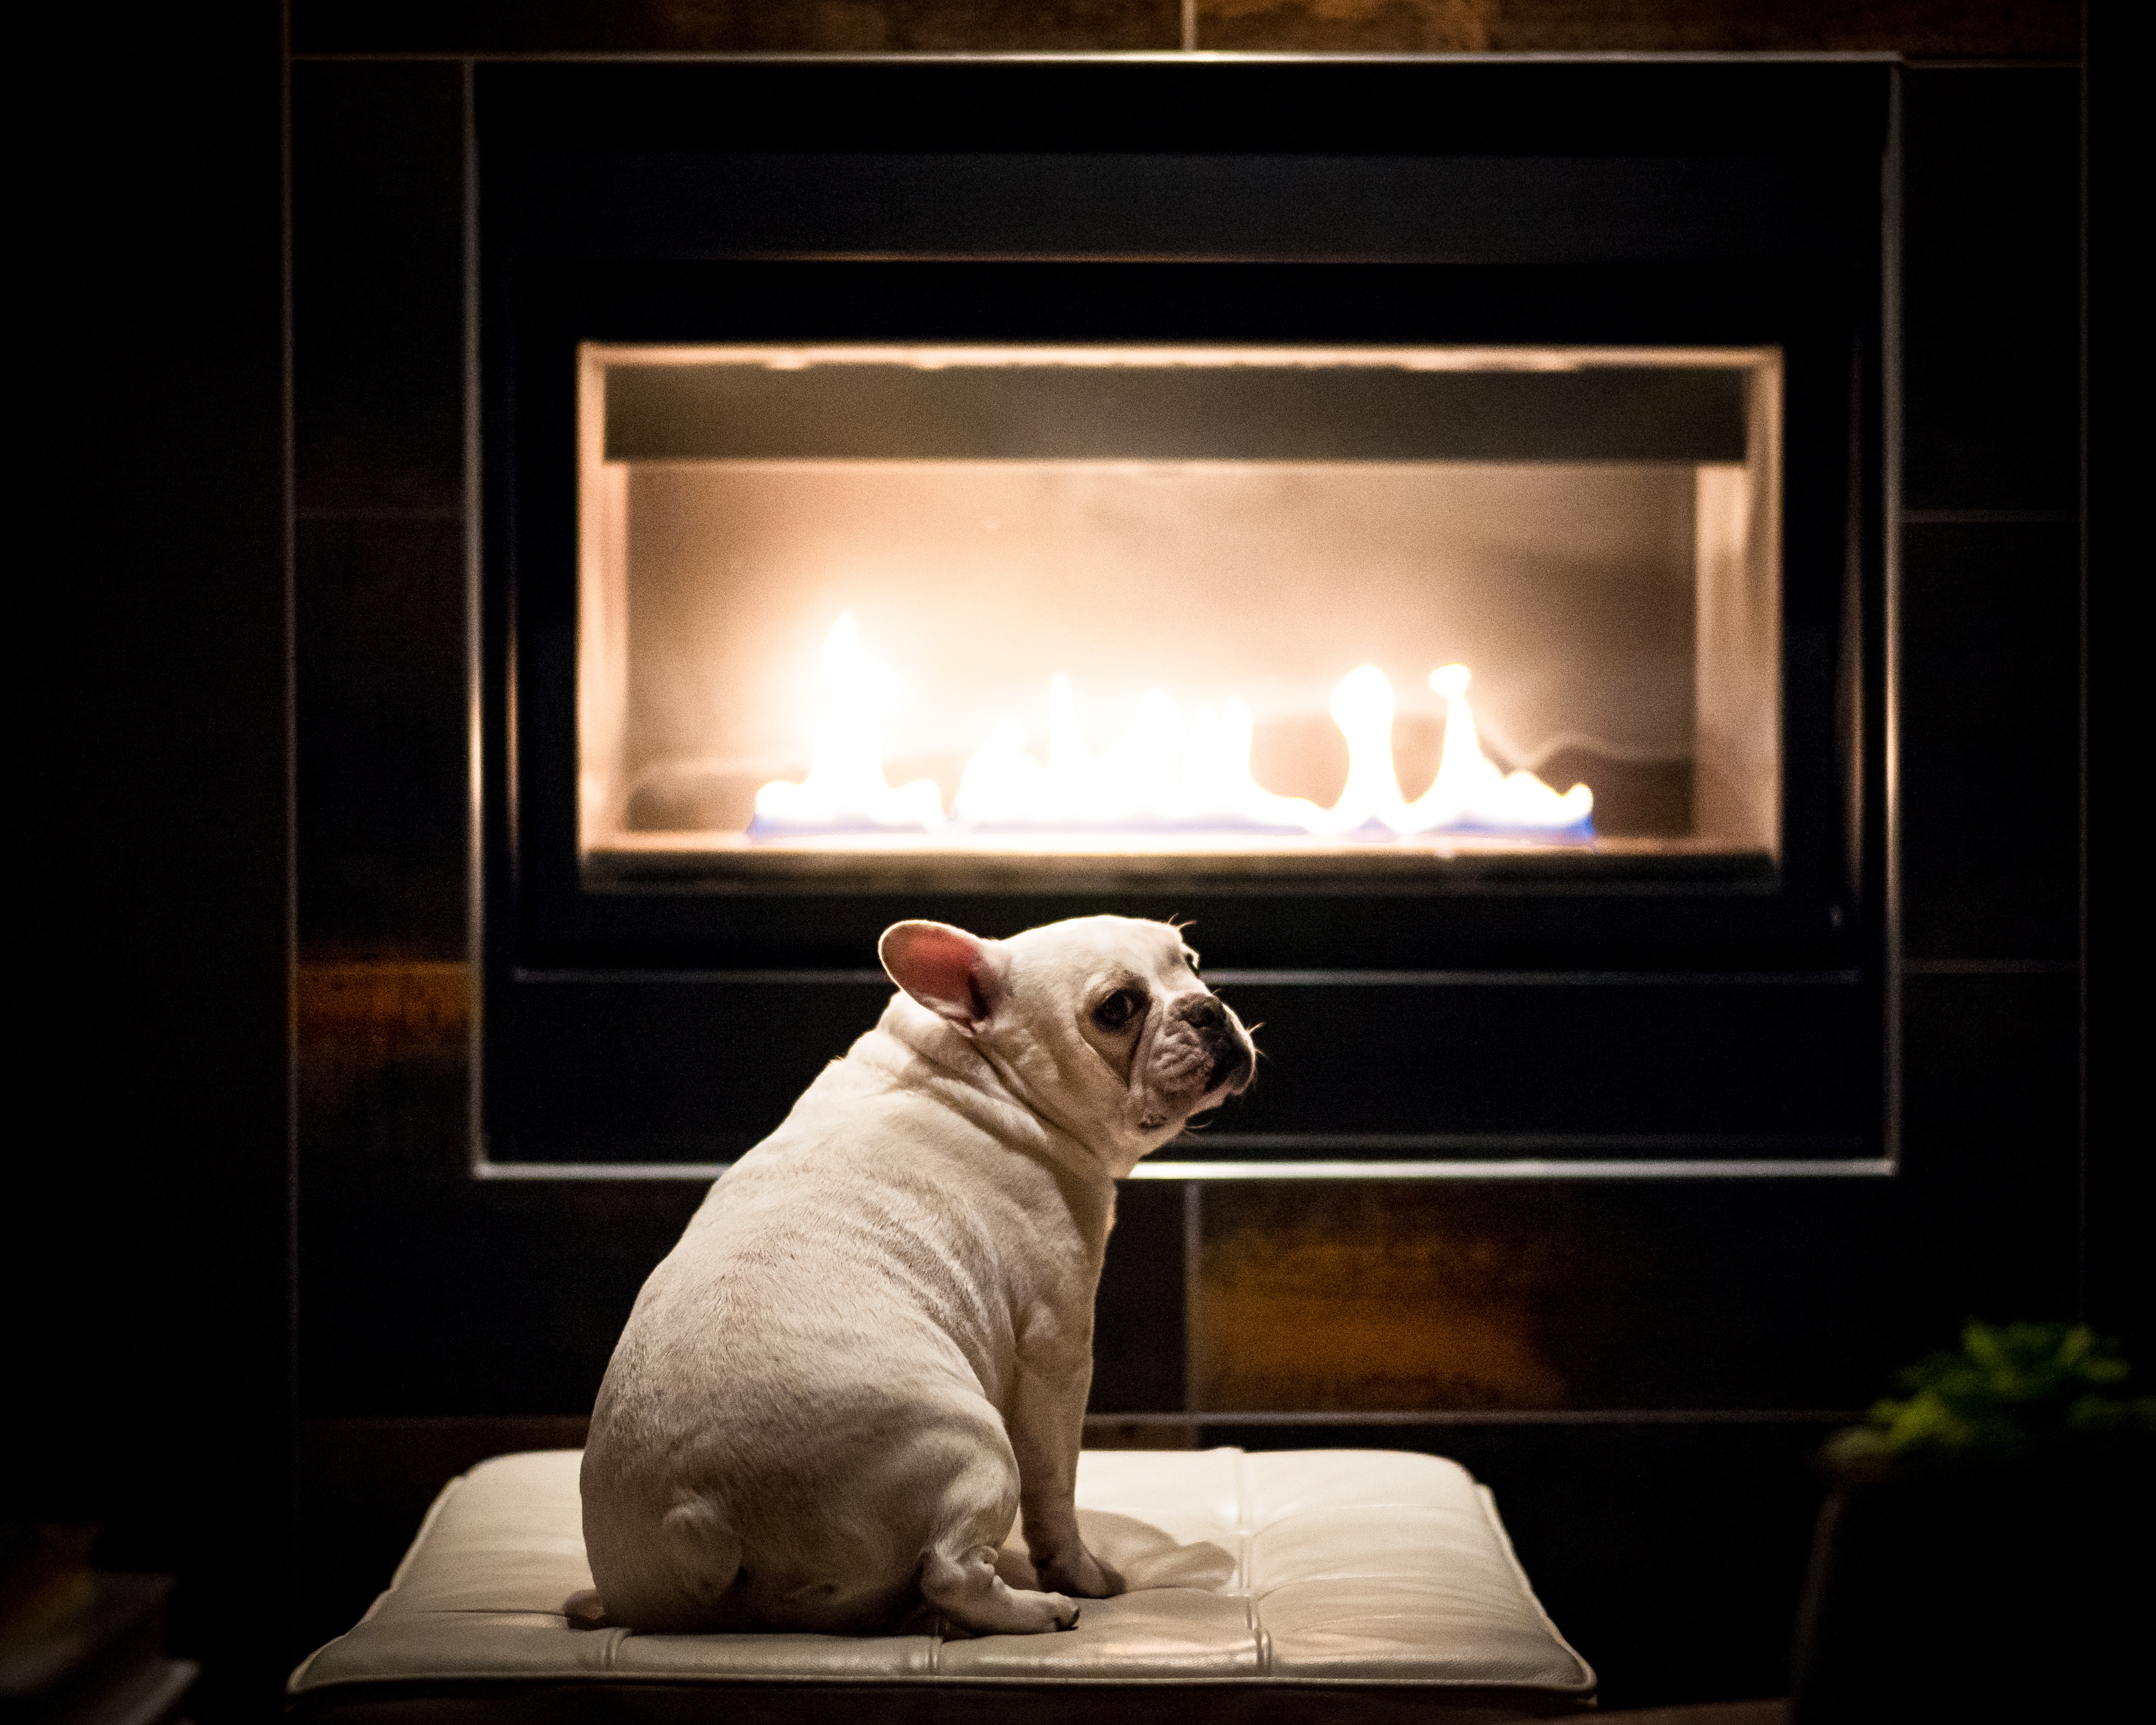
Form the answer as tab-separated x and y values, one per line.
1133	600
1438	553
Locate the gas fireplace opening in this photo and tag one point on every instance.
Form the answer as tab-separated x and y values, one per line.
1295	610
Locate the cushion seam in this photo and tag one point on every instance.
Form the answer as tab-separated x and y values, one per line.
1261	1641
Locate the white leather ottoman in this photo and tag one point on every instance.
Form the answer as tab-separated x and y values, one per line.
1306	1585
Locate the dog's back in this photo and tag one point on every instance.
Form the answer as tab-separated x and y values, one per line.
820	1360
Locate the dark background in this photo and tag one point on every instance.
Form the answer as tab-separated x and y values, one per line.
266	1310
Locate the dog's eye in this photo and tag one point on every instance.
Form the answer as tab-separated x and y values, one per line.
1119	1008
1190	958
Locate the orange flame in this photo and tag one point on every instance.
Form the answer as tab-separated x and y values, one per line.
845	786
1161	774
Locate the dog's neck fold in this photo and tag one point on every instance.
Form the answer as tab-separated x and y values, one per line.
972	1078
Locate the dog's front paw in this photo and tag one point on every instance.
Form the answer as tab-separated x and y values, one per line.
1078	1571
585	1610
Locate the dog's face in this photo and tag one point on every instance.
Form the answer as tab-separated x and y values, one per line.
1102	1023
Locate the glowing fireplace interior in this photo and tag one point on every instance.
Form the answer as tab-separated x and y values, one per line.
1284	608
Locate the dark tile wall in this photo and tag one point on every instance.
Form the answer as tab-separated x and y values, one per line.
145	1239
378	243
1992	803
384	789
379	340
1991	1089
1990	752
1615	1301
1991	337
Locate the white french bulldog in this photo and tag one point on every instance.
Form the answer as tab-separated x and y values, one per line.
872	1346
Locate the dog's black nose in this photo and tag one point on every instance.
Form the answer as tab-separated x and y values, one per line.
1207	1014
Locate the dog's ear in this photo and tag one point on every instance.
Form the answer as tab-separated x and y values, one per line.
955	975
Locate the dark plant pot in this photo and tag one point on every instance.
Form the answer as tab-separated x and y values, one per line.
2006	1595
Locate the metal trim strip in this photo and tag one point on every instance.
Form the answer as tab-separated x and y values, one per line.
1524	1169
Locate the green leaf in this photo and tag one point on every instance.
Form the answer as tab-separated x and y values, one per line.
2011	1394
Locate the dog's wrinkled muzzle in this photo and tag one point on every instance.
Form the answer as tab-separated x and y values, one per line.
1233	1064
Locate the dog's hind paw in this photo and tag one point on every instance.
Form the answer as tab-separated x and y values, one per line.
585	1609
965	1588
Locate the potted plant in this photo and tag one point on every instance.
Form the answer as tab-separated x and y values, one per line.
1983	1548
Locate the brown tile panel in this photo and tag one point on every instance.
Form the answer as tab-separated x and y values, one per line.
736	26
1367	1298
384	1076
392	1009
1941	28
1347	26
1537	1295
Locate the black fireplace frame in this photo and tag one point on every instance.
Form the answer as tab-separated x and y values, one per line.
1630	1018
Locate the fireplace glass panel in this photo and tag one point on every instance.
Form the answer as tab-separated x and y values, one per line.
1284	609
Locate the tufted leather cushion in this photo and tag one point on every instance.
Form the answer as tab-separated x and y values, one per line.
1344	1585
